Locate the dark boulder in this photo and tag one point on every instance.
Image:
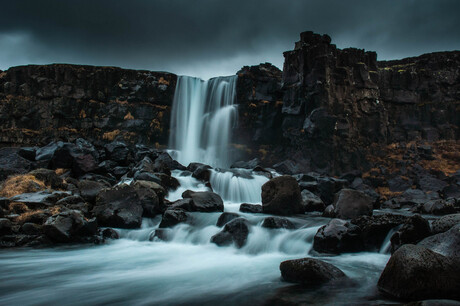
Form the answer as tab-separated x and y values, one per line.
415	273
147	176
311	202
31	229
49	178
444	223
28	153
437	207
309	271
281	196
168	182
5	226
246	164
110	233
119	206
329	211
151	204
205	201
202	173
11	163
338	236
235	231
47	152
447	243
226	217
328	187
172	217
352	204
117	151
68	225
412	231
90	189
251	208
277	222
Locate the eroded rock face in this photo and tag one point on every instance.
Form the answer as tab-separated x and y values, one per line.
281	196
309	271
416	273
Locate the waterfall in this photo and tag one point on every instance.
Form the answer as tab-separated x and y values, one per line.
203	115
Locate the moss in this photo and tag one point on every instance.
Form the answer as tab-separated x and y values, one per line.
110	136
19	184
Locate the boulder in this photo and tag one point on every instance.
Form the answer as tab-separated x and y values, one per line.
117	151
329	211
226	217
444	223
110	233
49	178
47	152
251	208
437	207
277	222
281	196
205	201
202	173
338	236
352	204
5	226
172	217
31	229
412	231
151	204
309	271
415	273
311	202
447	243
119	206
68	225
90	189
328	187
235	231
246	164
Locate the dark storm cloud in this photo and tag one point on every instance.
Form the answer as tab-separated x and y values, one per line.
211	37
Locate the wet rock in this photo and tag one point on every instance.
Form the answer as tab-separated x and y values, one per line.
11	163
150	202
119	207
70	200
146	176
251	164
281	196
164	163
311	202
68	225
447	243
184	204
352	204
31	229
415	273
168	182
162	234
202	173
40	199
118	171
309	271
28	153
226	217
110	233
235	231
117	151
173	217
329	211
328	187
277	222
47	152
5	226
90	189
437	207
338	236
205	201
251	208
374	229
444	223
412	231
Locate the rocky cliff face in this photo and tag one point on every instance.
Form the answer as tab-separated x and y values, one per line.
43	103
340	106
327	111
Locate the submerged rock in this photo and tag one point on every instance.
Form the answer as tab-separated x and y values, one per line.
251	208
226	217
235	231
309	271
415	273
338	236
281	196
204	201
277	222
172	217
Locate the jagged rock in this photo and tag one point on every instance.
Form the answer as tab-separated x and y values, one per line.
338	236
202	172
90	189
117	151
281	196
446	243
415	273
235	231
444	223
11	163
205	201
119	206
251	208
328	187
47	152
413	230
311	202
251	164
309	271
28	153
172	217
352	203
277	222
226	217
168	182
40	199
146	176
68	225
150	202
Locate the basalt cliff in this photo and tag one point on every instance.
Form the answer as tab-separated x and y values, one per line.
330	110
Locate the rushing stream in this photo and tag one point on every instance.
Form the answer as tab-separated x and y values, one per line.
140	269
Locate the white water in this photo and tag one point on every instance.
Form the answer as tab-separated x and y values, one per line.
203	114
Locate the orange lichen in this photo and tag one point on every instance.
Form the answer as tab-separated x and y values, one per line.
110	136
129	116
82	114
163	81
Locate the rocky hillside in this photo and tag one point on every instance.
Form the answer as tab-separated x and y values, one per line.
329	110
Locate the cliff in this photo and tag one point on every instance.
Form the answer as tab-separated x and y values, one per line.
329	110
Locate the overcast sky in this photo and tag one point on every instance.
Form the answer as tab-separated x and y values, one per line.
212	37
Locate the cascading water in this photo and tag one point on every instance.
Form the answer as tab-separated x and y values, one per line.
203	115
